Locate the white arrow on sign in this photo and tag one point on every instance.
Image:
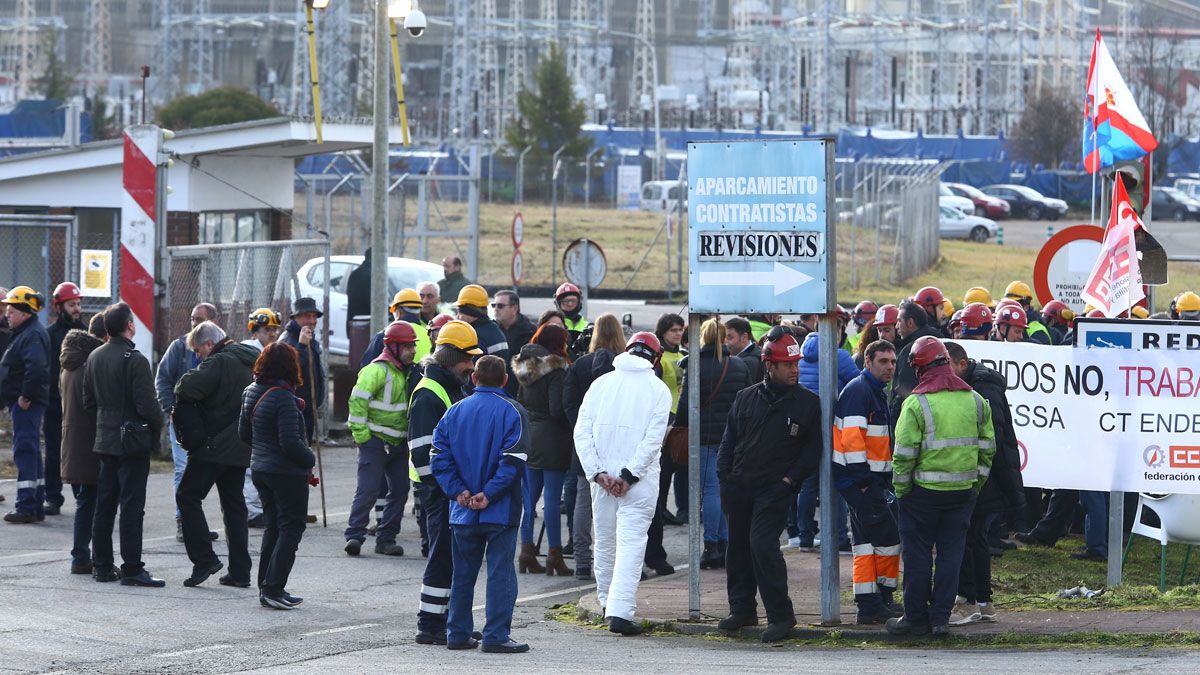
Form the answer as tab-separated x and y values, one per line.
783	278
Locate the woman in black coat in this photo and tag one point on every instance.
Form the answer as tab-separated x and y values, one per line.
272	422
541	368
716	366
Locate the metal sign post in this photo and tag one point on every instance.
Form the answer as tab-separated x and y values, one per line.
761	241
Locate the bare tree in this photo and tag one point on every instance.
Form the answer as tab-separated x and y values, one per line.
1156	76
1048	128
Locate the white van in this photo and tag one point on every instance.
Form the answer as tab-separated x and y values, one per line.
662	195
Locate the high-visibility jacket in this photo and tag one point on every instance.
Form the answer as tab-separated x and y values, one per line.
758	329
379	404
671	375
944	441
431	398
576	325
852	341
1036	329
862	439
424	346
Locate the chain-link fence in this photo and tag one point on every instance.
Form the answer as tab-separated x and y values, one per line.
38	251
239	278
887	220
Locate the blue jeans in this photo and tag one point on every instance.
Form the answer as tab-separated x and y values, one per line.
179	458
471	544
85	511
806	507
548	485
1095	524
715	528
27	455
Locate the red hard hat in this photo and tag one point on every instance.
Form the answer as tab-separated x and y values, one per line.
644	344
567	289
975	316
783	349
438	321
844	314
863	311
957	319
66	291
887	315
1012	316
399	333
928	351
1058	311
930	298
1096	314
1008	302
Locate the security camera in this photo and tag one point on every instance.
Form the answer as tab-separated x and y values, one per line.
415	23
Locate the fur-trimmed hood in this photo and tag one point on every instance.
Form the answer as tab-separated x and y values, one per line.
535	362
75	348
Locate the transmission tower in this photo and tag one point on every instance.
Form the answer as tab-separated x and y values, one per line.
706	9
365	83
200	53
27	46
300	100
166	71
642	82
97	59
548	13
459	70
487	106
584	56
514	66
333	51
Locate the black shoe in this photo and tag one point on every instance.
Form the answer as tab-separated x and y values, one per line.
734	622
778	631
670	519
389	548
227	580
18	518
293	599
470	643
584	573
53	509
143	579
568	550
81	568
353	546
1026	538
424	548
430	638
902	626
509	647
212	536
106	575
310	518
941	630
644	575
256	522
274	602
1088	555
624	626
200	575
708	559
663	569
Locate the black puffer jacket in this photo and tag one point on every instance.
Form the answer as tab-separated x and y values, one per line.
1004	488
714	415
541	375
579	379
274	429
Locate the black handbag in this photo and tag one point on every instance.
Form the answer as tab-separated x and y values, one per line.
136	437
191	430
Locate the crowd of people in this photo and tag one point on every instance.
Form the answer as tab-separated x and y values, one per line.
484	415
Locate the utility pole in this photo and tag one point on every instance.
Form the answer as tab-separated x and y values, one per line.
379	171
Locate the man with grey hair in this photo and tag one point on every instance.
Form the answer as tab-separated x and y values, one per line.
177	360
217	456
430	297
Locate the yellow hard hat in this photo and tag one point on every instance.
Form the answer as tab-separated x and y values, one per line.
1186	302
978	294
461	335
263	317
26	296
1018	290
473	295
947	306
405	297
1140	312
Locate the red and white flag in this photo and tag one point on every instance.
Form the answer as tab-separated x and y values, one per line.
1115	284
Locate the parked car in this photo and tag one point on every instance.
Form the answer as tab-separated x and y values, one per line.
1027	202
310	280
662	195
954	224
1173	204
986	205
947	198
1189	186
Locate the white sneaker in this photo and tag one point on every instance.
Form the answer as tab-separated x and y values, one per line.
988	614
964	615
793	542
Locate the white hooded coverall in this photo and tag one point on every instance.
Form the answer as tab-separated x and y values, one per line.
621	425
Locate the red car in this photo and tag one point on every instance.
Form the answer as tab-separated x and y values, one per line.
985	205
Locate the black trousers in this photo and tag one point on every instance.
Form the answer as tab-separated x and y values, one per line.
753	562
285	510
932	519
975	577
1058	517
198	478
52	433
122	484
439	568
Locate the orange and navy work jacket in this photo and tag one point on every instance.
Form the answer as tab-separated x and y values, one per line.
862	440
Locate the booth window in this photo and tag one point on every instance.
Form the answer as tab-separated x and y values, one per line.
234	227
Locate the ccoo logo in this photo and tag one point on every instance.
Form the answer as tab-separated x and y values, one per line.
1154	457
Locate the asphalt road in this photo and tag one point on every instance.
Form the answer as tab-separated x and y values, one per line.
1177	238
359	617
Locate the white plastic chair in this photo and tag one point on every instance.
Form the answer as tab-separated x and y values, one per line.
1179	521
